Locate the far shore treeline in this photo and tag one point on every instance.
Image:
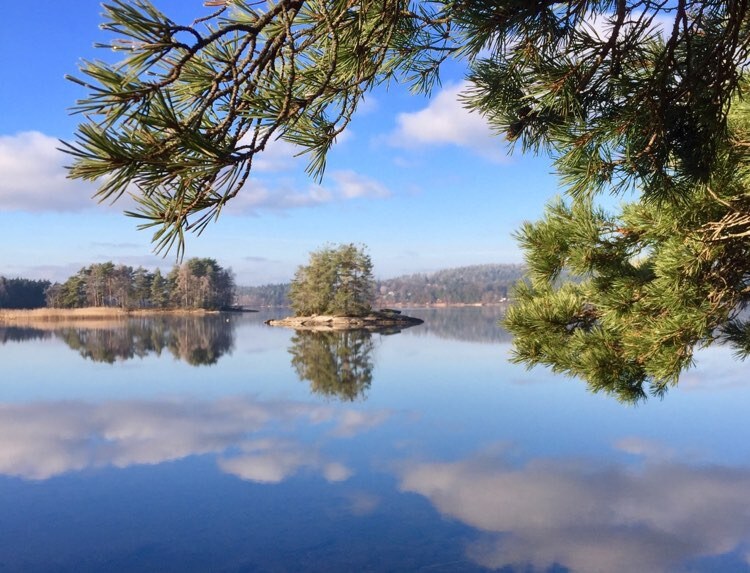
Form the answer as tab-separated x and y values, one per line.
204	284
199	283
476	284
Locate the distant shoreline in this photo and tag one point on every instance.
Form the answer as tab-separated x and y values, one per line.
449	304
407	306
58	315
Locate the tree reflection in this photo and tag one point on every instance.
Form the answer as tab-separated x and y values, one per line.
196	340
21	334
336	363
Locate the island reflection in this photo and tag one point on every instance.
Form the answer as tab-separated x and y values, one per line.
338	364
197	340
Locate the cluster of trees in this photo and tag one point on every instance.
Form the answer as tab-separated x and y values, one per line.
337	281
642	99
199	283
22	293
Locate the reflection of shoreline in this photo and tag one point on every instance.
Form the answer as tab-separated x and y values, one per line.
657	515
407	306
22	333
195	339
467	323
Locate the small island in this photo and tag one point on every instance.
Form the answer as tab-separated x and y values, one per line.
335	292
373	321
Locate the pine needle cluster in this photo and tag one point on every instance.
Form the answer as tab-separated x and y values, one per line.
179	120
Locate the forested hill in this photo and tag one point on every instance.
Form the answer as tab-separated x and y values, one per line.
264	295
464	285
485	284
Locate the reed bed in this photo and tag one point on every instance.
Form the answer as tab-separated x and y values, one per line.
59	315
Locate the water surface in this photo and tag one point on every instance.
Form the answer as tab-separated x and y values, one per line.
221	444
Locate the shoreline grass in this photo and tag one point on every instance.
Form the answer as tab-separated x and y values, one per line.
36	315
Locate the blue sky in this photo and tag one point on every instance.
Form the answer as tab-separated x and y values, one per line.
419	181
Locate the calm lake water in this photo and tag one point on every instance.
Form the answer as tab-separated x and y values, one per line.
221	444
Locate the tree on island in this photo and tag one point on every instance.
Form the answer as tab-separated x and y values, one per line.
337	281
632	98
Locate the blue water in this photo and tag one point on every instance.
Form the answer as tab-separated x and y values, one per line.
222	444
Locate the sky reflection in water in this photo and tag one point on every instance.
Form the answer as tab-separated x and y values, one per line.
226	445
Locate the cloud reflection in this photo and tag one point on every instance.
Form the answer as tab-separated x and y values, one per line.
590	517
42	440
273	460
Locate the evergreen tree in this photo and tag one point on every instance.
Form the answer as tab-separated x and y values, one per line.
22	293
621	104
53	296
337	281
353	289
654	281
72	293
159	295
201	283
100	284
142	287
122	290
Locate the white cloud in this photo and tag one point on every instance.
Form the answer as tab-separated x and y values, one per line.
589	517
601	25
446	121
637	446
33	178
274	460
53	273
351	185
256	196
281	156
353	422
368	104
339	186
278	156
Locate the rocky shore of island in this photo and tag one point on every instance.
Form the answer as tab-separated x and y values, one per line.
376	320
